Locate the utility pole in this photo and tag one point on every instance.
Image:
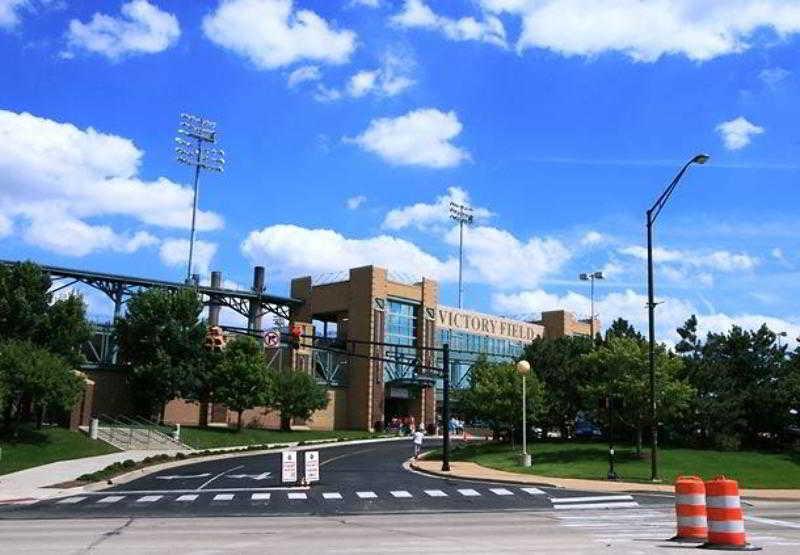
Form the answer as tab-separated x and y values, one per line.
463	215
194	140
446	407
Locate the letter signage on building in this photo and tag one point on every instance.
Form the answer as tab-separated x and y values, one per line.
289	466
485	324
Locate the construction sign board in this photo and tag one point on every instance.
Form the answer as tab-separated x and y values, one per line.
289	466
312	466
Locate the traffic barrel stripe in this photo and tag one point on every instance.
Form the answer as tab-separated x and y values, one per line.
725	517
723	501
690	509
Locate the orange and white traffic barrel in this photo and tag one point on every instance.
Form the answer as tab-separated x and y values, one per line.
725	517
690	509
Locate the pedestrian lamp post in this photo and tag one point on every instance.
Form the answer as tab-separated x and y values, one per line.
523	369
652	214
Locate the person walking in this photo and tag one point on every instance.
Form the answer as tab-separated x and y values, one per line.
418	436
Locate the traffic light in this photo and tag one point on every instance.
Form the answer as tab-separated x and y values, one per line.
215	339
294	337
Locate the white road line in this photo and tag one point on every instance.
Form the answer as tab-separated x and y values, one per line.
223	497
220	475
435	493
578	506
71	500
195	490
188	498
331	495
111	499
403	494
469	493
366	494
297	495
260	497
149	498
783	523
533	491
500	491
591	499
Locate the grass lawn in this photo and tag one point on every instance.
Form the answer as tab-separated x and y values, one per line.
590	460
37	447
206	438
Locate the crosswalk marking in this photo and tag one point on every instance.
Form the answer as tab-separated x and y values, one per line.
366	494
188	498
149	498
260	497
533	491
71	500
500	491
435	493
401	493
223	497
297	495
331	495
469	492
111	499
596	498
580	506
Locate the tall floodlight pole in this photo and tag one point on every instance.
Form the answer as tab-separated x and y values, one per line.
652	214
194	140
463	215
590	277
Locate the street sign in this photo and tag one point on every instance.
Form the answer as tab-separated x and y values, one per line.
312	466
272	339
289	466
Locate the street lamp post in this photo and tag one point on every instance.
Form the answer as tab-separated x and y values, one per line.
652	214
523	368
779	335
196	135
590	277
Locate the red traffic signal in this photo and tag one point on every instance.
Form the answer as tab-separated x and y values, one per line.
296	333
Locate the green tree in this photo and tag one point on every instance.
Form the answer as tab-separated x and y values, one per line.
295	394
558	364
622	371
161	339
247	380
34	380
621	328
495	396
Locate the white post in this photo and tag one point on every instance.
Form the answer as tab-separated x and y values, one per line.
177	433
526	458
94	425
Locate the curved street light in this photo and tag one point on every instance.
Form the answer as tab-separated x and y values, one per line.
652	214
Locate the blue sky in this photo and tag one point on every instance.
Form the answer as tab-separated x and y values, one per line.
349	126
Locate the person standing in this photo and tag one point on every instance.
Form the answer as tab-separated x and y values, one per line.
418	437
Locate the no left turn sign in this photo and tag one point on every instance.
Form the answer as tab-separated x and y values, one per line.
272	339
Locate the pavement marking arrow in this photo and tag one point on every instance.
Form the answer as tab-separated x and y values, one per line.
262	476
183	476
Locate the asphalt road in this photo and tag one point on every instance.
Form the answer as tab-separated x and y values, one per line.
355	479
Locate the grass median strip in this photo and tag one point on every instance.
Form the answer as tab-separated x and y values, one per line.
37	447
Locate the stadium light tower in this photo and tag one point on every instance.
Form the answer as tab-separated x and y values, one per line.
590	277
463	215
196	135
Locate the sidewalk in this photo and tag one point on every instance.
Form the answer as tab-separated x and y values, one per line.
31	484
473	471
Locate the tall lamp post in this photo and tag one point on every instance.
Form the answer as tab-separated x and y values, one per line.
590	277
463	215
523	369
779	335
652	214
194	140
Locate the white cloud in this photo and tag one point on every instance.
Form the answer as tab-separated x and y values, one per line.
272	34
302	74
9	13
325	94
54	176
175	253
647	30
297	250
419	138
777	253
773	76
390	79
366	3
592	238
416	13
721	261
362	82
6	226
671	314
354	203
435	216
497	257
142	29
737	133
